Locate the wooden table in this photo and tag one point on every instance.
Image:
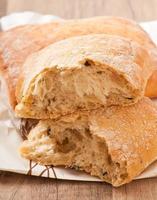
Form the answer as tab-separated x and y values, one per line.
20	187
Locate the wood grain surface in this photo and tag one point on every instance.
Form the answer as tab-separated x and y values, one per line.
20	187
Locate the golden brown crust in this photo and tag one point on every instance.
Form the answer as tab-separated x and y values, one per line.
105	25
16	44
129	133
114	26
151	89
124	66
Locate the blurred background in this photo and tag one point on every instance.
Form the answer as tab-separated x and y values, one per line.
139	10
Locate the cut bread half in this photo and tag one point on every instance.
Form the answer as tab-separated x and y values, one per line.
18	43
115	145
82	73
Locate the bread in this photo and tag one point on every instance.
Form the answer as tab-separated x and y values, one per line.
82	73
16	44
115	145
114	26
151	88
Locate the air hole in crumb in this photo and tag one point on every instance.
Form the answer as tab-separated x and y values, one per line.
129	98
87	63
104	173
88	133
79	107
79	117
99	72
117	164
49	102
48	131
74	133
65	141
54	99
123	176
66	146
109	159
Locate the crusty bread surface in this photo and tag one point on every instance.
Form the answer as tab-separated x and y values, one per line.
18	43
115	145
82	73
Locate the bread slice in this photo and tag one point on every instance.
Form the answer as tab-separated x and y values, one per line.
113	26
115	145
18	43
82	73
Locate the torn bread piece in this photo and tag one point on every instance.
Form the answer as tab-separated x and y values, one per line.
114	26
115	145
82	73
18	43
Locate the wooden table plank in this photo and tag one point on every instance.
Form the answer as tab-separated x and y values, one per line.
71	8
143	10
15	186
136	9
3	7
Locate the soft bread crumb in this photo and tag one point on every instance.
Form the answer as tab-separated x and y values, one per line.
116	144
74	148
83	73
58	94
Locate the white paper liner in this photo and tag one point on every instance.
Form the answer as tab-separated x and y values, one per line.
10	140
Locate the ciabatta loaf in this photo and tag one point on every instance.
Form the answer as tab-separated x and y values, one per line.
82	73
18	43
116	144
